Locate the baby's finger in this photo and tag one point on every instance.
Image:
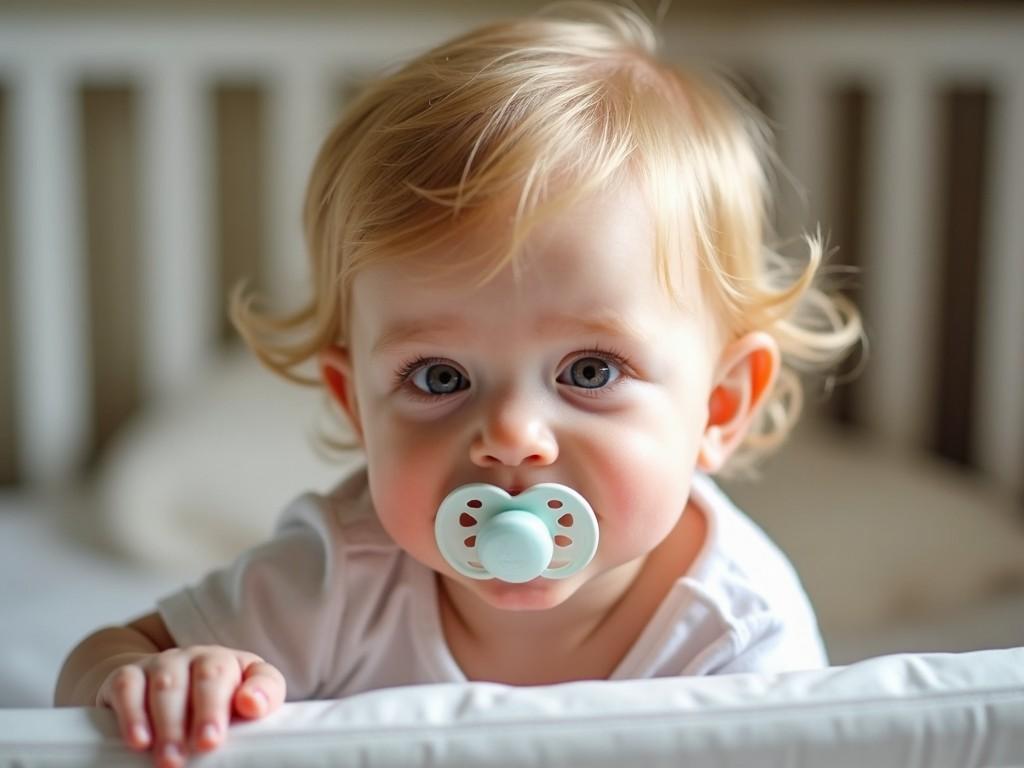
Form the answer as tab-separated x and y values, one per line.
167	697
261	692
124	691
215	676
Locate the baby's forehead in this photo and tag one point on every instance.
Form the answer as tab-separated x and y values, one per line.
619	218
596	260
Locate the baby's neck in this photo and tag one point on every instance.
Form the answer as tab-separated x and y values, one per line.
566	625
584	637
570	641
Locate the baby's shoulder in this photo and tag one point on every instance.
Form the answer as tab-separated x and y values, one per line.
751	589
739	558
344	517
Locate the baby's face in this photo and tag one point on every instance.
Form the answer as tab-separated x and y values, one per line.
583	372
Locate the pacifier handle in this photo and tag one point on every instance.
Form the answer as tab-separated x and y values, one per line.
547	530
514	546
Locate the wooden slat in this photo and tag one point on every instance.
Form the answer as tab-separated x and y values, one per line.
301	110
181	310
900	275
799	109
48	281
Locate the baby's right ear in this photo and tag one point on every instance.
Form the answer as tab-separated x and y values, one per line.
336	371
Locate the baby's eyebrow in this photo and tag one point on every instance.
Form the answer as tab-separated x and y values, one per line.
418	329
604	323
455	327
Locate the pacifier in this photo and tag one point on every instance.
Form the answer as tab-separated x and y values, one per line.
547	530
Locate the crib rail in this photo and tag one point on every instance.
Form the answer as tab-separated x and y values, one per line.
902	60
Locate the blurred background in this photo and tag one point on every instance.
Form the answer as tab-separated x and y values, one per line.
152	154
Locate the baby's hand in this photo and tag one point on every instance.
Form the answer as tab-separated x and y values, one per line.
159	696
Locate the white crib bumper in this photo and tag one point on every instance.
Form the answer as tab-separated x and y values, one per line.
934	710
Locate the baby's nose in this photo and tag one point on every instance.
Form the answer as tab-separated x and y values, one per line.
514	433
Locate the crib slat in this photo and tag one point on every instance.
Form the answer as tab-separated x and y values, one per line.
53	392
179	308
300	114
1000	406
800	114
900	276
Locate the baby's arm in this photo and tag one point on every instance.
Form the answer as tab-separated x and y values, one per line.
156	688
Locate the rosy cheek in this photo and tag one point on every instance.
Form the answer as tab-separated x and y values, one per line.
399	454
643	492
401	494
405	472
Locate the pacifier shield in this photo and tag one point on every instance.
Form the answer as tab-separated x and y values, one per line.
547	530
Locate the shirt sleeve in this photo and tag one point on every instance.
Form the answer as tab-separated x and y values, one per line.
277	600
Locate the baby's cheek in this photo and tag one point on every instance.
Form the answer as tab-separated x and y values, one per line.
401	459
646	490
403	496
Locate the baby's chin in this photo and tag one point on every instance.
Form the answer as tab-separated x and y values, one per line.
539	594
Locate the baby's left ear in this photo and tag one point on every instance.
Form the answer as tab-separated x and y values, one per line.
747	370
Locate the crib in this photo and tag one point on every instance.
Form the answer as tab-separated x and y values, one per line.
153	159
903	129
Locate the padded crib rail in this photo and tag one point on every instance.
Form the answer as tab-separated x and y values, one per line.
904	711
906	62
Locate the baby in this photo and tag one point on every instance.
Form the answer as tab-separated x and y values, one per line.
540	271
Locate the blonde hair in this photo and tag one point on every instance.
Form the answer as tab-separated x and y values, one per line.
545	110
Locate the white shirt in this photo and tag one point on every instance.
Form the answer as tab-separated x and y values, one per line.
339	608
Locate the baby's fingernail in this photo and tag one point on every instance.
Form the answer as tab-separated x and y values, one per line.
140	735
208	735
170	754
259	700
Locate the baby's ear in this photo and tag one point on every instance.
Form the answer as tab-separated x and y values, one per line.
336	371
746	373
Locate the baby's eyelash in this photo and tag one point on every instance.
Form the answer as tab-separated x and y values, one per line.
608	353
404	371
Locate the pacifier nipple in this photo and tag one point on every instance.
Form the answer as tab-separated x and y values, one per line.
548	530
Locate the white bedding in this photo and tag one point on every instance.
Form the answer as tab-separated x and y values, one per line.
928	711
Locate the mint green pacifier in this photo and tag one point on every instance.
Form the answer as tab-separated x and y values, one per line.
547	530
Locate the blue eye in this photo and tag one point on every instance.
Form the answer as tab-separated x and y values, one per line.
438	379
591	373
